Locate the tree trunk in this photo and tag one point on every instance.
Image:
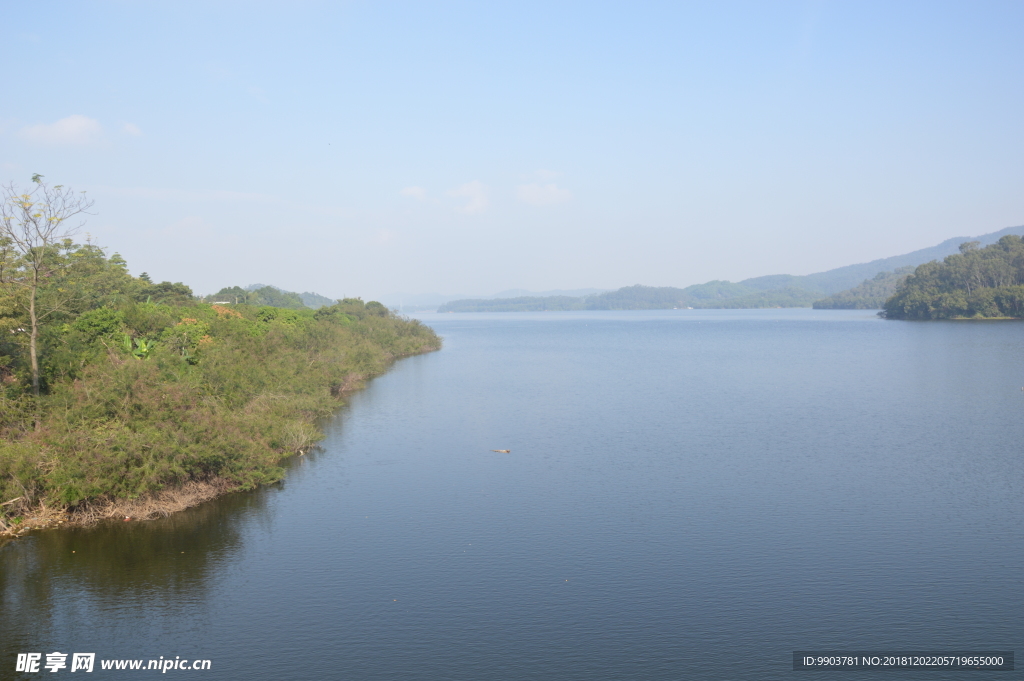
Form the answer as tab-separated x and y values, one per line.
34	322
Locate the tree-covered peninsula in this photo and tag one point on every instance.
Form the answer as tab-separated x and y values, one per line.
975	283
119	396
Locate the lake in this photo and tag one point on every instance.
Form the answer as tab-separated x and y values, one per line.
690	494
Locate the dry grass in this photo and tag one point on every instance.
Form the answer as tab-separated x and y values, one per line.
37	518
158	505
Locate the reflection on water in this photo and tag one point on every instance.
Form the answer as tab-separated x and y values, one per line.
57	579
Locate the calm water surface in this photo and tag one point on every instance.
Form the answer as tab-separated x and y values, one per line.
690	495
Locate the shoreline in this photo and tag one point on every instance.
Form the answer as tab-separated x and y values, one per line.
157	505
167	501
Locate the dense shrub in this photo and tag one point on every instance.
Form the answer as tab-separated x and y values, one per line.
144	395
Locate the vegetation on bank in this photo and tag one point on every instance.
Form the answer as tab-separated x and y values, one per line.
871	294
975	283
143	389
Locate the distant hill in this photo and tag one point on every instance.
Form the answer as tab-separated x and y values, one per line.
262	294
315	300
849	285
520	304
842	278
871	294
644	298
418	302
523	293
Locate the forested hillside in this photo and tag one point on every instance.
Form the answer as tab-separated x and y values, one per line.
125	390
871	294
977	282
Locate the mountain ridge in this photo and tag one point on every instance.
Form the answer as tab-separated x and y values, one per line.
774	290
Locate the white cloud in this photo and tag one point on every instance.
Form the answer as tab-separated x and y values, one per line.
76	129
542	194
418	193
476	192
131	129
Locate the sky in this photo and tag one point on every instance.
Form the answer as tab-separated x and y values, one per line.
371	148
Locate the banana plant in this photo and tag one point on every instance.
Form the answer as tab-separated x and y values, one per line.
138	347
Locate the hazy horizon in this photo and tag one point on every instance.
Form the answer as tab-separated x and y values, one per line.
449	147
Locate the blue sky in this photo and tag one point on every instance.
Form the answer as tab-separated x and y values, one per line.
469	147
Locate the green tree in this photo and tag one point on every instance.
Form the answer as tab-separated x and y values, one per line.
35	246
976	282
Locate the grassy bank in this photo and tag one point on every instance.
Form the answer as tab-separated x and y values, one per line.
150	406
